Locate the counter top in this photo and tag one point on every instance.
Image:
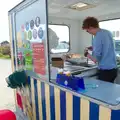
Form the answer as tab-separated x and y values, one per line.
100	92
106	92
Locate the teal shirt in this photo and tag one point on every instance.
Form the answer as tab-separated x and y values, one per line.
103	50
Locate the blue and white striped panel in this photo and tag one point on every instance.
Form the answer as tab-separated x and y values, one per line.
40	100
63	105
36	99
115	115
34	95
51	103
33	99
43	101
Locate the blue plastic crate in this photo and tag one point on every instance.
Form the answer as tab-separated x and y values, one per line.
70	81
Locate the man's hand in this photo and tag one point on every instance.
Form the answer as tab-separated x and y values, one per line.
90	48
86	52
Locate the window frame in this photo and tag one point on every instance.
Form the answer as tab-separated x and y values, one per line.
68	33
110	19
106	20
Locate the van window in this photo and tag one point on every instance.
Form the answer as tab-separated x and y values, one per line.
58	38
114	27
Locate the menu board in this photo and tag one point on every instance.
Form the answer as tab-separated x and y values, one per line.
31	44
38	58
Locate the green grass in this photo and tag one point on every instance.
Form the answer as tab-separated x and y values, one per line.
4	56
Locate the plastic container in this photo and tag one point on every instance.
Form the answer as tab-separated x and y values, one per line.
72	82
7	115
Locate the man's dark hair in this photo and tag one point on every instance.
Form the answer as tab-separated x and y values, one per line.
90	22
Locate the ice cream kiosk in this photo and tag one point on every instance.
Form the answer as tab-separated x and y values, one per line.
56	89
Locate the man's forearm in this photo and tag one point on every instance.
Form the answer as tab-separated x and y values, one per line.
92	58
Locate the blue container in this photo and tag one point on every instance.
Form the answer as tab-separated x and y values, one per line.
80	82
70	81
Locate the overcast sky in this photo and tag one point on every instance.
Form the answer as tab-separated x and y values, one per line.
5	6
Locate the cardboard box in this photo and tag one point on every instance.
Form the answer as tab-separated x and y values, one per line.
58	62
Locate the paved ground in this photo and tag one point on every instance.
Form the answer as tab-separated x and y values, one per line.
6	94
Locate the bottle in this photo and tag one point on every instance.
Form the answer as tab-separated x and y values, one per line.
60	71
68	73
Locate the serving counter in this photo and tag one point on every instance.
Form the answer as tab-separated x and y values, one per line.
100	101
50	101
